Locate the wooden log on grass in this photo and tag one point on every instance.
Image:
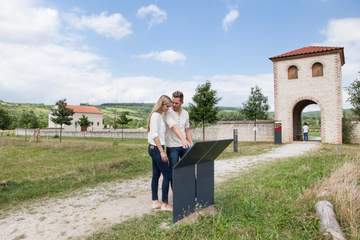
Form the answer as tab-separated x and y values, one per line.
328	222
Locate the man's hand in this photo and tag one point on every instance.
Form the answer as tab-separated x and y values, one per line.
185	144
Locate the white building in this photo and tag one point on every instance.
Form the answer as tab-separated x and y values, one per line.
93	114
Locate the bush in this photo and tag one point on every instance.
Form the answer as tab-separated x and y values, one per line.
346	129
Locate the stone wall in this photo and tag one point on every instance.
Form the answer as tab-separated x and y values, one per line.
222	130
355	135
51	132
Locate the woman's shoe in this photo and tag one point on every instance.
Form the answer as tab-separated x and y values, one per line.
166	207
156	204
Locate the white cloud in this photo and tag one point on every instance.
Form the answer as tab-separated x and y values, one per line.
108	25
24	21
235	89
153	14
169	56
229	19
345	33
46	72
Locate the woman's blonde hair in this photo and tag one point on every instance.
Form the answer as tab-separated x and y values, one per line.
163	99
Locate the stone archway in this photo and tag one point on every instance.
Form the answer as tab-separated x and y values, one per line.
297	120
292	93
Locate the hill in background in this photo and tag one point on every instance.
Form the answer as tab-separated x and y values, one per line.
138	112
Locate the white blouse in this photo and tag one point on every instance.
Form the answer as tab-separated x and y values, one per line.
157	128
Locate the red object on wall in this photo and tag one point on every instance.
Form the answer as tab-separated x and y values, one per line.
278	127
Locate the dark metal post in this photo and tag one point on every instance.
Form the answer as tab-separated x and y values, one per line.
235	143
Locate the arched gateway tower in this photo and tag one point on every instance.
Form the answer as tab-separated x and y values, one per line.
309	75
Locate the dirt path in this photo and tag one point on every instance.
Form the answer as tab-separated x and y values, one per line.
93	209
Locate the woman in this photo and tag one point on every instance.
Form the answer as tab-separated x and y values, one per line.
160	162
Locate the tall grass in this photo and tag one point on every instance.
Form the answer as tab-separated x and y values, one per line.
264	203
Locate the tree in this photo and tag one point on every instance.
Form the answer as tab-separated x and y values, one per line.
122	120
61	115
5	119
256	106
27	120
204	109
354	96
84	123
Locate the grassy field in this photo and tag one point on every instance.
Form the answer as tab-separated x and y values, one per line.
32	170
247	149
263	203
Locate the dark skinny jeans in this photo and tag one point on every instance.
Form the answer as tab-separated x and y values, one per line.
174	155
159	167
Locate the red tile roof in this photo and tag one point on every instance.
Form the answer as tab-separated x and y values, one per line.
84	109
310	50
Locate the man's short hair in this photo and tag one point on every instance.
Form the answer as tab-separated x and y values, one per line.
178	94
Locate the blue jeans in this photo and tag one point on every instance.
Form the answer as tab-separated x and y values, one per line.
174	154
159	167
306	136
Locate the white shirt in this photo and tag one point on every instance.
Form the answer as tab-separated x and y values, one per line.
181	120
157	128
305	129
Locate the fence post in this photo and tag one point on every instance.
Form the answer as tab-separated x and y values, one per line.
235	142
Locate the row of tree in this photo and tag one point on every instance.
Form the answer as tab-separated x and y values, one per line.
27	119
204	110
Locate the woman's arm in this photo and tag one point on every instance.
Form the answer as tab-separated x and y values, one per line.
161	150
155	122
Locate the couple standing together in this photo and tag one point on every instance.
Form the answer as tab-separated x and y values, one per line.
169	137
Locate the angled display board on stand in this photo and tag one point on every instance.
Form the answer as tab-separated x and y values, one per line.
193	177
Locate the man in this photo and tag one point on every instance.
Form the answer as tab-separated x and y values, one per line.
180	117
306	132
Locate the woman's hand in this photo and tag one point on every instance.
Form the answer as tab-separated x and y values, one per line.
164	157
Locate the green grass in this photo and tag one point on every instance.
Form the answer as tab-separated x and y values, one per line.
247	149
264	203
33	170
47	169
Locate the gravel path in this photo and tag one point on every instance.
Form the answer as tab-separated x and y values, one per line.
93	209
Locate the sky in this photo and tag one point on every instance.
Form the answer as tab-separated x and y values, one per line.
135	50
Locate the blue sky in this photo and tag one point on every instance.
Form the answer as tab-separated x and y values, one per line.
134	51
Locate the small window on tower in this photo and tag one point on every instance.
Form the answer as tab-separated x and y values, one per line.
317	70
292	72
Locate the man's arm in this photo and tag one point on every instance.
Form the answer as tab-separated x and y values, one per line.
188	130
188	135
172	125
184	143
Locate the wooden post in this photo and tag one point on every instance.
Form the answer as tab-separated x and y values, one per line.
236	139
328	222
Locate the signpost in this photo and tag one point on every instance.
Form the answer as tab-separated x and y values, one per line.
193	178
277	133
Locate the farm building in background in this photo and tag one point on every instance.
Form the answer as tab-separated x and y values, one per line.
93	114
